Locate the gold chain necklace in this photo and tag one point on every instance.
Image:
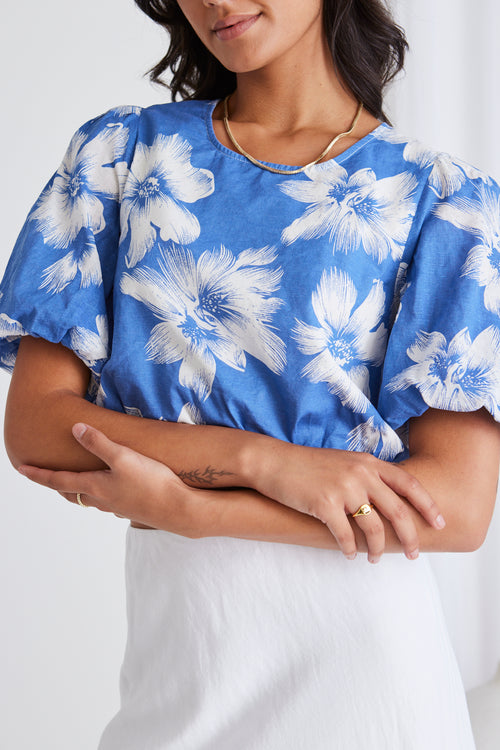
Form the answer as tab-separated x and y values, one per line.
286	171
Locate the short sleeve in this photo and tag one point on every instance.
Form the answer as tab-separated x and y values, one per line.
444	347
58	284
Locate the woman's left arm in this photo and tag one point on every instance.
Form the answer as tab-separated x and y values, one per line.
455	456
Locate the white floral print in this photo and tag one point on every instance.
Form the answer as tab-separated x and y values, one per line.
460	376
8	360
10	329
190	414
388	134
479	216
347	339
162	179
448	174
95	391
126	109
378	439
219	307
400	287
133	411
84	259
91	347
71	203
356	210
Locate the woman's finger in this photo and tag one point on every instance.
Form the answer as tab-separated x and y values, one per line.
63	481
96	442
343	533
373	529
70	496
399	480
397	512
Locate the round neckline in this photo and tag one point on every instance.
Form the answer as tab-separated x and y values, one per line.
211	105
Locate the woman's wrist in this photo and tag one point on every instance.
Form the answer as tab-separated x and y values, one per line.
175	507
258	461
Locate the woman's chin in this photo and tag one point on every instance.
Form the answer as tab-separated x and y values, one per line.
247	64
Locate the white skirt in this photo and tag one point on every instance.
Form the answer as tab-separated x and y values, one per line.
245	645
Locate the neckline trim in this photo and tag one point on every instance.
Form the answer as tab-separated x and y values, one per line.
210	106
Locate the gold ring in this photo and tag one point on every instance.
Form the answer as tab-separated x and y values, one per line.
79	500
363	510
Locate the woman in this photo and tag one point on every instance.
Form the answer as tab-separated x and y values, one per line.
183	267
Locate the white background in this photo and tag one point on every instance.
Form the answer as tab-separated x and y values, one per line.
62	628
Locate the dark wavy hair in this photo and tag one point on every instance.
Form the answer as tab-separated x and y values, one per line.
368	50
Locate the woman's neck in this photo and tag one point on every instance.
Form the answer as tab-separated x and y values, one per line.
288	111
294	93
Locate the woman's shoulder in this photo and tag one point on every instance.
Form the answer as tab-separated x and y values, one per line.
156	117
445	174
178	116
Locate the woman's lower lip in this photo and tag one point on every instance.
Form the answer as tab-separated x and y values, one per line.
231	32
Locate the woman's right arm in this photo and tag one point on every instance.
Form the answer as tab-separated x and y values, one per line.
46	398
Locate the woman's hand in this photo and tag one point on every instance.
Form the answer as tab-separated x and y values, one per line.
332	485
134	486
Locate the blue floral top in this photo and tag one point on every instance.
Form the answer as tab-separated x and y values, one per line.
324	308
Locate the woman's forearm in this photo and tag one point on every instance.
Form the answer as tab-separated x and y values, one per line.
203	456
245	514
46	399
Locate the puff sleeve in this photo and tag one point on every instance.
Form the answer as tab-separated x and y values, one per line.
58	284
444	348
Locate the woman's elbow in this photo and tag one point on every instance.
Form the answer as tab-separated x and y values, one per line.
16	446
45	399
32	432
472	531
472	540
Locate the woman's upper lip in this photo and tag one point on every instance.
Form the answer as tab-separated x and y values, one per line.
224	23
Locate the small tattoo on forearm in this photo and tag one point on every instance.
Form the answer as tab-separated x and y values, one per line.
208	476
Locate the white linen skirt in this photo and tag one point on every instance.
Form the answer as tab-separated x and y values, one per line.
246	645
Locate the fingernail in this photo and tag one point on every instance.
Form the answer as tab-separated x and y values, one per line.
352	556
22	471
413	555
374	560
79	430
440	523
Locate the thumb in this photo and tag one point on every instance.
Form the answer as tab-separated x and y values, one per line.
96	442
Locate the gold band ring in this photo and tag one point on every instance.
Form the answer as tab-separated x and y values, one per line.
79	500
363	510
